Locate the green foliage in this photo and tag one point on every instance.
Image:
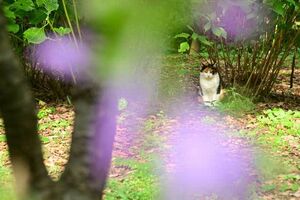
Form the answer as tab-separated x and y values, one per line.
276	129
235	103
187	38
281	122
280	7
22	5
30	19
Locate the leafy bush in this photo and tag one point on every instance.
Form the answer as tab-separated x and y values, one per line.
29	19
235	103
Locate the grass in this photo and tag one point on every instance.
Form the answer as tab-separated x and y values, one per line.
45	111
6	180
141	183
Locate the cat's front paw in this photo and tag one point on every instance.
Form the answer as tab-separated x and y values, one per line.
208	103
200	99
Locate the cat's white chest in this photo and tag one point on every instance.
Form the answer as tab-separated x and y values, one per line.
209	87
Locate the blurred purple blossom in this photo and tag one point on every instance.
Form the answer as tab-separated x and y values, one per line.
63	56
205	163
239	22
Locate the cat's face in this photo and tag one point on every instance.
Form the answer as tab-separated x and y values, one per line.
208	71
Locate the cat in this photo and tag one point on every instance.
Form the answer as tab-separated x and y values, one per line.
210	85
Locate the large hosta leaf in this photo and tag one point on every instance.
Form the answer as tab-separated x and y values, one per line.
25	5
35	35
50	5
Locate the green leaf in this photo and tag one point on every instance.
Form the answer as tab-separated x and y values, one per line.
194	36
8	13
292	2
182	35
40	3
44	139
191	28
25	5
207	26
204	40
278	7
184	46
50	5
35	35
37	16
13	28
62	31
219	32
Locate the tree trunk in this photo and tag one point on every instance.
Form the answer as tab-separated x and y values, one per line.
92	142
19	114
293	69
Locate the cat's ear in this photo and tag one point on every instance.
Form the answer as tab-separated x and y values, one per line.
214	65
203	66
